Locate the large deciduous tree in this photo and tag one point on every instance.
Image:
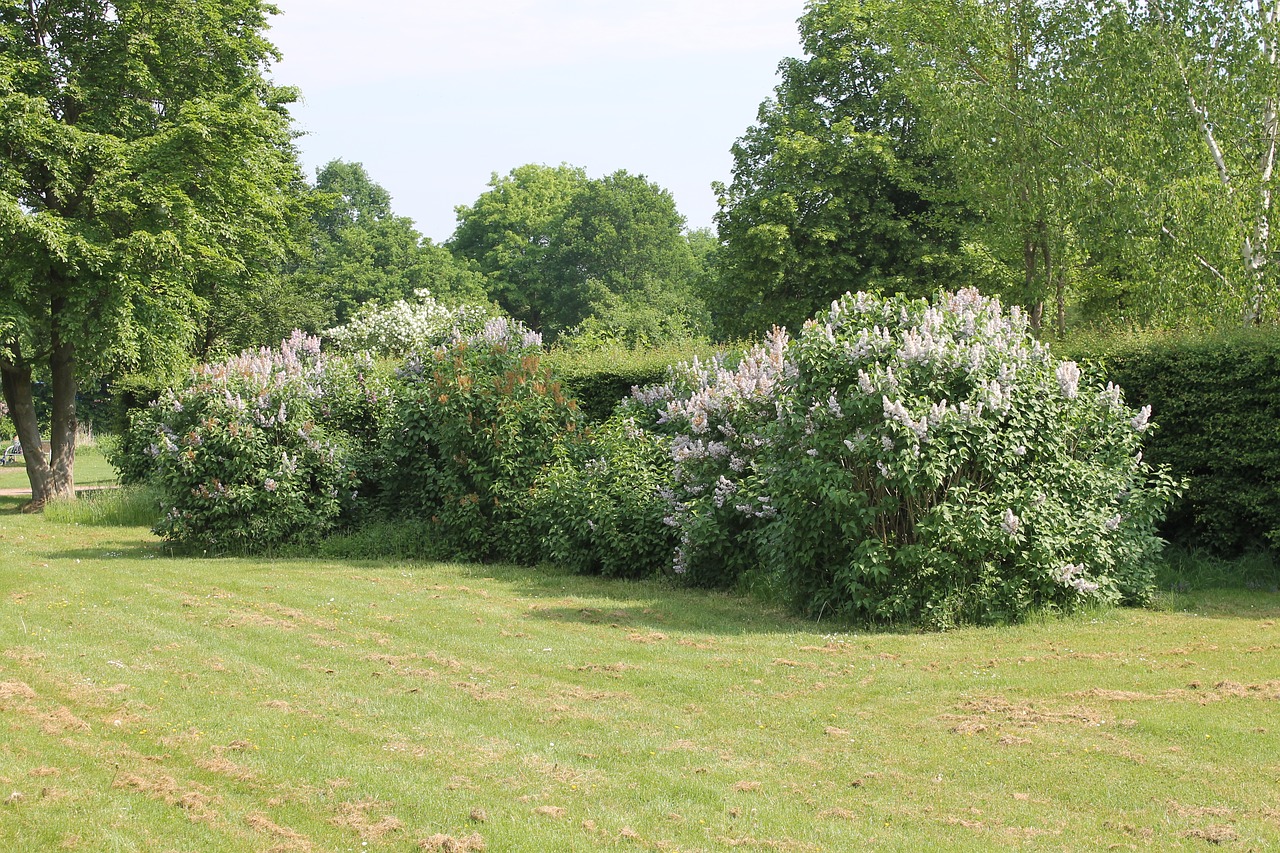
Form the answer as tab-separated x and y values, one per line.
835	188
145	167
1142	136
559	247
1112	158
510	232
360	250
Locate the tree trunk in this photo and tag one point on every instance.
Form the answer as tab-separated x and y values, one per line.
16	379
62	428
1035	306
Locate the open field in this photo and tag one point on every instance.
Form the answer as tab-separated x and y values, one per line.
155	703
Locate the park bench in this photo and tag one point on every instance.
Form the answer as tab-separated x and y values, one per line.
14	452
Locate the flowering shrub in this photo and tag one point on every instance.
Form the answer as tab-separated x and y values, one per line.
474	422
599	507
907	462
717	418
243	453
404	327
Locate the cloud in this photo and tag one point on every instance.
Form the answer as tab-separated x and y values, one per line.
337	42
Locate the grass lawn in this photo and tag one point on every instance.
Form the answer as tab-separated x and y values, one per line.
91	469
155	703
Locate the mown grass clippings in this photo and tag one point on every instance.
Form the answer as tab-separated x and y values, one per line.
150	702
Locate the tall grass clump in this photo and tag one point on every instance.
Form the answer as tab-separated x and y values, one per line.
908	462
128	506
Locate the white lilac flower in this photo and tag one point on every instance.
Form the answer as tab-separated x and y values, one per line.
269	484
1010	523
1142	420
1069	379
724	488
1111	396
1113	523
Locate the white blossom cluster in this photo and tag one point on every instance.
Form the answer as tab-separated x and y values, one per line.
404	326
949	413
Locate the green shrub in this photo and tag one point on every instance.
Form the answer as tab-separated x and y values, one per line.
599	508
902	462
473	424
1217	402
242	453
601	378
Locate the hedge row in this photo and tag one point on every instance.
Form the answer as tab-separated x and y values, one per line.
1216	402
600	379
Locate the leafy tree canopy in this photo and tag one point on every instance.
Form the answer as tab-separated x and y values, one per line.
358	251
146	175
560	248
835	188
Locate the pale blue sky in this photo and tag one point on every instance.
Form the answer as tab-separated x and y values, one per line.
432	96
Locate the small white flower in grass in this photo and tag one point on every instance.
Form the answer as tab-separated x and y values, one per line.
1010	523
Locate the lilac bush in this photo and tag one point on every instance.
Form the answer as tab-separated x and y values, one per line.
902	461
717	417
246	453
404	326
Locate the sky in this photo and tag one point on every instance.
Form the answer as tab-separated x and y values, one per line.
434	96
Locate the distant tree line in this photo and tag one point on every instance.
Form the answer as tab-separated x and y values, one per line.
1102	164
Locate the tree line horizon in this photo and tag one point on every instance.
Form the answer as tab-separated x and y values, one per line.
1103	165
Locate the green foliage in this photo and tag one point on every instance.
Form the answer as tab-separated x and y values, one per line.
508	233
474	422
1183	570
601	377
247	454
129	506
835	188
908	463
1217	401
599	508
360	251
560	248
147	180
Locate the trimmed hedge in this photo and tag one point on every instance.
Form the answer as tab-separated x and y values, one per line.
1216	402
600	379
